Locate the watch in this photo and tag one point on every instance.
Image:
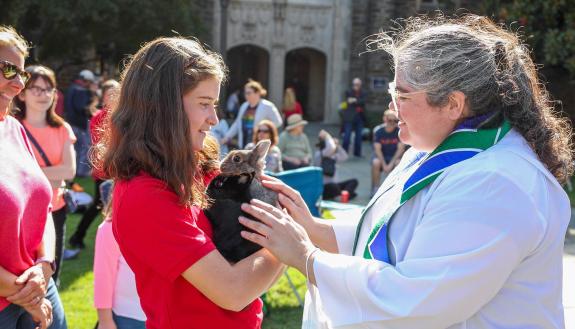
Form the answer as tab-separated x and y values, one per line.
50	262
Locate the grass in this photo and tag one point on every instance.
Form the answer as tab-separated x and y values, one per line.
77	288
571	193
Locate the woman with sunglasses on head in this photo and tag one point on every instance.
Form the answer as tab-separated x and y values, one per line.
165	110
267	130
468	230
28	294
52	140
251	113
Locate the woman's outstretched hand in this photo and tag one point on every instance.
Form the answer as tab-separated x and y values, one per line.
291	200
278	232
319	231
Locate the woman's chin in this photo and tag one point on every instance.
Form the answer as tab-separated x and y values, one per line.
198	141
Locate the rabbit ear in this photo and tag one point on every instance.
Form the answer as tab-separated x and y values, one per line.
262	148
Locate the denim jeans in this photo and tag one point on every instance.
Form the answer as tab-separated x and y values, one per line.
123	322
357	127
15	317
82	147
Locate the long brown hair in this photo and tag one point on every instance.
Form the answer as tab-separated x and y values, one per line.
19	107
148	130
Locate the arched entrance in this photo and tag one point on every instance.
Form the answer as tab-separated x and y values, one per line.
305	71
247	61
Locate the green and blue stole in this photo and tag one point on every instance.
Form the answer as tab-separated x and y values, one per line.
463	143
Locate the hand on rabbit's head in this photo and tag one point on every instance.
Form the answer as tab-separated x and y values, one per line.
252	161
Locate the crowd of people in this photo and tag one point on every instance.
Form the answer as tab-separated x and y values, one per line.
474	125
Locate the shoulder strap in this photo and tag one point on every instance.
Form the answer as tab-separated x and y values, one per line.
38	147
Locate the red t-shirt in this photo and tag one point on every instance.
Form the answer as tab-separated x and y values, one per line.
160	240
296	110
25	195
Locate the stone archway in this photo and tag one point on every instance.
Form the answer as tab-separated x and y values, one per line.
305	71
247	61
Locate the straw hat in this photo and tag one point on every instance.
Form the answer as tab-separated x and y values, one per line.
295	120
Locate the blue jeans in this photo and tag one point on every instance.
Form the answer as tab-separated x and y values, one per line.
15	317
357	127
82	147
123	322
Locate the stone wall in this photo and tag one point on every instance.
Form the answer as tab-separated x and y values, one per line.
370	17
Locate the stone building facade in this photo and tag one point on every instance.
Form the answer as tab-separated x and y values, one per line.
315	46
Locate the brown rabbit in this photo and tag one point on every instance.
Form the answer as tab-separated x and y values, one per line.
238	182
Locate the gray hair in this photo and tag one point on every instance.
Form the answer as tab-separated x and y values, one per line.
488	64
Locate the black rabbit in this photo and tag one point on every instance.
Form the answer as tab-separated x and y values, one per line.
238	182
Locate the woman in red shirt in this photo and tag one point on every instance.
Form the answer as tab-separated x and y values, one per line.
290	104
166	107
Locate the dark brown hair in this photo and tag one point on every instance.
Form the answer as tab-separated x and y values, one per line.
19	107
273	132
148	130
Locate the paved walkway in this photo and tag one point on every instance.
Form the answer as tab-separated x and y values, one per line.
360	169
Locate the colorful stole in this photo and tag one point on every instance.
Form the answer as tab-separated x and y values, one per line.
462	144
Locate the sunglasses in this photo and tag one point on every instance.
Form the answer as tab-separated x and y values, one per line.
397	96
263	131
10	71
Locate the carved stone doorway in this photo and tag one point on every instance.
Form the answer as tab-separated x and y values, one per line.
305	71
245	62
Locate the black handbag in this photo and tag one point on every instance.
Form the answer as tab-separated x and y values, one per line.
328	166
71	204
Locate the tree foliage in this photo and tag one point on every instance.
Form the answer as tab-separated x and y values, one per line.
67	29
547	25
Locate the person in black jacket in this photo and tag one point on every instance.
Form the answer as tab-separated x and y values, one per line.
77	109
354	117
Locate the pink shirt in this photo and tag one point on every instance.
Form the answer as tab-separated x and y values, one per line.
114	281
52	141
25	195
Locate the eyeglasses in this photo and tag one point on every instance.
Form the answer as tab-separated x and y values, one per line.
263	131
10	71
398	95
37	91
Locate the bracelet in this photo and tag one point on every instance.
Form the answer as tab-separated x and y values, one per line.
307	261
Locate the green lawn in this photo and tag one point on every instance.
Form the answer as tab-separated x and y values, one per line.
76	287
572	192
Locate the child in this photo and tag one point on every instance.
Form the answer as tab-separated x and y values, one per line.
115	295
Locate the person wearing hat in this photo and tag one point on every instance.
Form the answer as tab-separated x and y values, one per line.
294	144
78	102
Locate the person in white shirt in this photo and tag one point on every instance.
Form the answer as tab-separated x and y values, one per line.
468	230
251	113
